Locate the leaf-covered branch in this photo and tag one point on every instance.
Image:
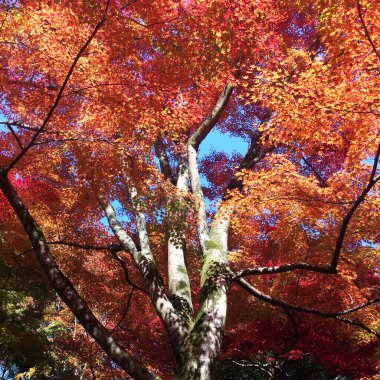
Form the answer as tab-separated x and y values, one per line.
366	31
59	95
332	268
347	218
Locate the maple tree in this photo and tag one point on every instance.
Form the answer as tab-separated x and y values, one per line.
105	106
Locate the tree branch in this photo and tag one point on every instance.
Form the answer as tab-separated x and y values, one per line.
318	176
192	149
126	309
15	136
59	95
145	263
126	272
366	31
71	140
112	248
333	315
282	269
19	125
346	220
212	118
162	156
203	231
179	283
253	156
67	291
332	268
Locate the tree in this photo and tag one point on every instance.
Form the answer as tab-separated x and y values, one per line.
106	105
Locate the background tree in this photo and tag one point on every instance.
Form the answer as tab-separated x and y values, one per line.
106	105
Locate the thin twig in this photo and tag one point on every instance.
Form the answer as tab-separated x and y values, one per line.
366	31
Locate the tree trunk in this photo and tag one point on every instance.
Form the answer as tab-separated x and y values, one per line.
204	341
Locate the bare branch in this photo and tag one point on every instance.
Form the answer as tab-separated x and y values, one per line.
126	272
283	268
333	315
112	248
126	309
19	125
125	240
205	128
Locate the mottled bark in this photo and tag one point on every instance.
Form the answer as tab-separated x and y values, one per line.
205	338
143	259
179	283
67	291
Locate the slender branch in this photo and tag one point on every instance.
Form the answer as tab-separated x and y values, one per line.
282	269
319	177
366	31
349	111
126	272
346	220
295	329
112	248
72	139
59	95
126	309
333	315
15	136
19	125
125	240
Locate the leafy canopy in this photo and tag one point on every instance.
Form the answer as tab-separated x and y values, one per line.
87	112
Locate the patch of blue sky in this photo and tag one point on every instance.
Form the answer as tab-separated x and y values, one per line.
120	212
222	142
3	127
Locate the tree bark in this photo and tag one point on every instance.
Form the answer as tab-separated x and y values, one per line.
67	292
205	338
